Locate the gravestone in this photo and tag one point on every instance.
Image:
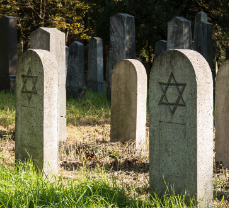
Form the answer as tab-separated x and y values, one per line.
179	34
122	43
160	47
8	52
85	64
181	125
53	40
36	126
201	16
75	76
221	114
95	66
128	102
203	40
66	56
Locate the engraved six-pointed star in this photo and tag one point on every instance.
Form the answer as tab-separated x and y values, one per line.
172	94
29	85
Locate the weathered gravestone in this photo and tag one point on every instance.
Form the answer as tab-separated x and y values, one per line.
8	52
181	125
221	114
128	102
95	65
179	34
160	47
36	131
75	75
201	16
203	40
66	56
53	40
85	64
122	43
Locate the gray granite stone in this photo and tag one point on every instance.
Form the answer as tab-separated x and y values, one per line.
203	40
181	125
160	47
222	114
36	126
179	34
201	16
95	66
66	56
8	52
85	64
122	43
75	76
128	102
53	40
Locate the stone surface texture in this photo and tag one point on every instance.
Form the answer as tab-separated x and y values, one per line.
128	102
36	126
221	114
8	52
181	125
122	43
75	76
66	56
160	47
201	16
53	40
203	40
179	34
95	66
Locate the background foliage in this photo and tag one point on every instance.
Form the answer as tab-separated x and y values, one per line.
82	19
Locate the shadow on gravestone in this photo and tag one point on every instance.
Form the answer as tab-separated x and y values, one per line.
8	52
222	115
128	102
95	66
75	76
53	40
122	43
36	132
181	125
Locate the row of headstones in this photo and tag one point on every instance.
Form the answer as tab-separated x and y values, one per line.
181	116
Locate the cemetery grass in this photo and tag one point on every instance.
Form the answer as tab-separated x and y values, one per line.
93	172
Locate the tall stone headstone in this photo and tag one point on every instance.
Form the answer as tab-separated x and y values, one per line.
66	56
122	43
179	34
201	16
36	130
8	52
181	125
95	66
53	40
222	114
75	75
160	47
128	102
85	63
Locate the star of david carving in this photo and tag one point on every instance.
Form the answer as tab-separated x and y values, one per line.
27	88
179	101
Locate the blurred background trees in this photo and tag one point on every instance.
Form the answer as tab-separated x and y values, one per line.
82	19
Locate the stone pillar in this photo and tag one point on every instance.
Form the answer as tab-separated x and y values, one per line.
75	76
179	34
222	114
8	52
66	56
36	126
122	43
181	125
201	16
128	102
53	40
160	47
95	66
